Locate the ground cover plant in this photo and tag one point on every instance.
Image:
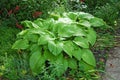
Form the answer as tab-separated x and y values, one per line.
63	42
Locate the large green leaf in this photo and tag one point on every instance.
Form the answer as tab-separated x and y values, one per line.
22	33
36	62
56	27
85	23
77	54
31	37
81	41
21	44
29	24
85	16
84	66
39	31
97	22
61	65
91	36
34	47
39	22
68	30
65	20
50	57
72	63
65	64
43	39
55	48
65	30
71	15
48	24
54	16
78	31
69	47
88	57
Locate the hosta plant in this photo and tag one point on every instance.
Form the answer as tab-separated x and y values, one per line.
63	41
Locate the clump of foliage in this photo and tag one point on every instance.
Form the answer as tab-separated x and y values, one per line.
110	8
7	37
19	10
16	67
110	15
63	41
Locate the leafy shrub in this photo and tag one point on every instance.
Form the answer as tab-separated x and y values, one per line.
76	5
85	5
110	13
110	8
19	10
15	67
63	42
92	4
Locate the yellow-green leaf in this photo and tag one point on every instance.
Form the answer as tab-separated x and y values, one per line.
81	41
55	48
88	57
21	44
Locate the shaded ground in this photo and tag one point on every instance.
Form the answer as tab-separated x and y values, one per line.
112	67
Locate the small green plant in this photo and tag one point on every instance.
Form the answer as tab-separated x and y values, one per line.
63	41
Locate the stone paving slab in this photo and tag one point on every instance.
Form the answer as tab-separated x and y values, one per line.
113	65
112	76
115	53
